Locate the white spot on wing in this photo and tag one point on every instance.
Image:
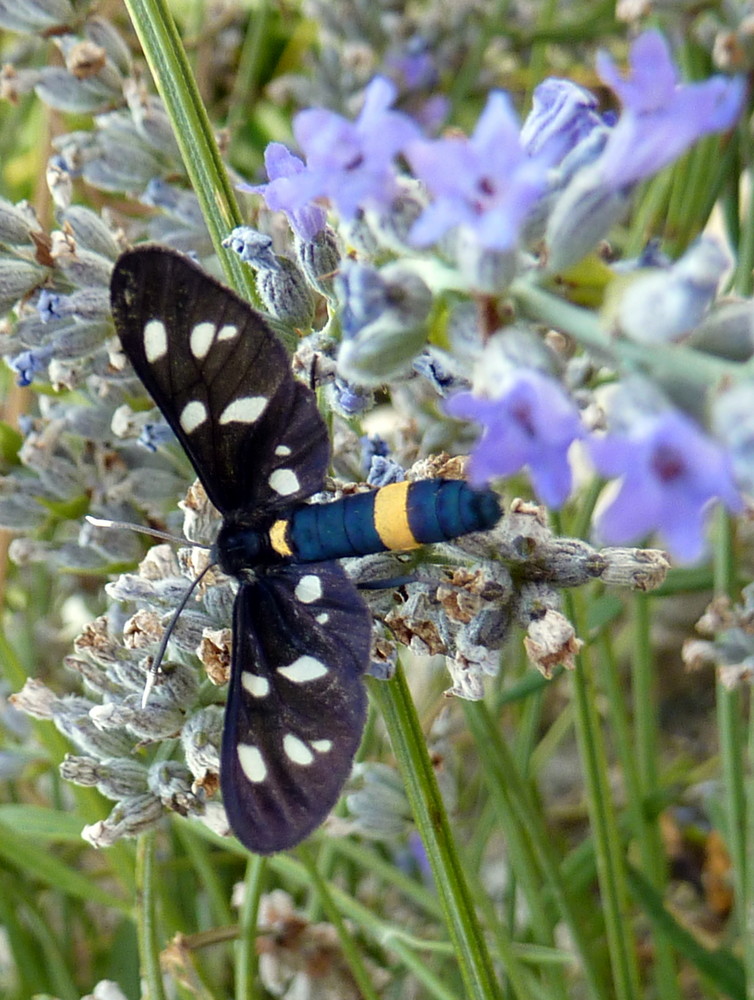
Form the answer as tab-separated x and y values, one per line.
258	687
322	746
245	410
194	414
252	763
201	339
283	450
296	750
284	482
155	340
323	619
227	332
303	670
308	589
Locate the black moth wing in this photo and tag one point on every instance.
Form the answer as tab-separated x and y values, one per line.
296	703
222	380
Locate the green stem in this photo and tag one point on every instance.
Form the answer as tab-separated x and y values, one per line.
657	360
350	950
146	919
606	833
399	714
175	82
246	962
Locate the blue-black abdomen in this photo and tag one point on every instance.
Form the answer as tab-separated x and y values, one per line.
399	516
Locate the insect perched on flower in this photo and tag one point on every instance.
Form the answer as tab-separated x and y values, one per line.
301	632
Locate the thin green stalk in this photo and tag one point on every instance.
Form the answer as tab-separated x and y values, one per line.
605	831
744	279
733	746
514	803
383	934
399	714
204	870
247	78
146	919
637	753
658	359
246	961
175	82
350	950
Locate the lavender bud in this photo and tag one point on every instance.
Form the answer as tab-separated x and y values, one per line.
385	347
201	738
72	718
639	569
468	667
115	779
170	781
31	16
286	295
103	33
378	806
663	306
83	267
483	270
348	400
727	332
63	91
90	231
17	222
551	642
582	216
733	423
152	122
154	722
320	259
16	83
130	817
17	278
254	248
176	202
35	699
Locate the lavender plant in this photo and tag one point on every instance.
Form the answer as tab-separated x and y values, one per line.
440	271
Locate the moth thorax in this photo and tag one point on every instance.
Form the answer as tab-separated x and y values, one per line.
239	547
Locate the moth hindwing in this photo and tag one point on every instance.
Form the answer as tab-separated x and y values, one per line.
301	633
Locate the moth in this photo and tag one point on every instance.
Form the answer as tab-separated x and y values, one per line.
296	702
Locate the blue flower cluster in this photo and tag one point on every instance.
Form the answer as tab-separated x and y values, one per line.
514	203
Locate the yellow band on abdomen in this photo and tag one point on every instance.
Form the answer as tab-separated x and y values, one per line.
391	517
279	538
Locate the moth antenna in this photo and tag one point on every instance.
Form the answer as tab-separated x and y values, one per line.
142	529
154	668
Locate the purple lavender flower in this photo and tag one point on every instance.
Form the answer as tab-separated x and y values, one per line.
351	163
154	436
486	183
282	169
661	117
531	423
670	472
562	115
48	305
28	363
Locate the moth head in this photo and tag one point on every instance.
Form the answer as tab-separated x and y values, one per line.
238	548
